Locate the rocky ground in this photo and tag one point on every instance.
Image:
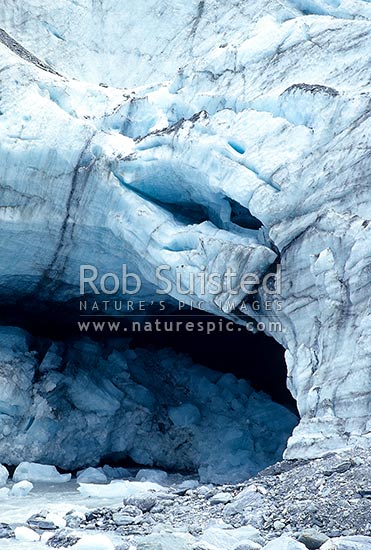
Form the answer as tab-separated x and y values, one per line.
323	503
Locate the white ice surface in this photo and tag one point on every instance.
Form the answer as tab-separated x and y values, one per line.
41	473
118	489
20	489
25	534
91	475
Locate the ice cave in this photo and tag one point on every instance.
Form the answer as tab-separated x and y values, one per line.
185	270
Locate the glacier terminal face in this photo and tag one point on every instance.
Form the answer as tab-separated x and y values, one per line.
222	138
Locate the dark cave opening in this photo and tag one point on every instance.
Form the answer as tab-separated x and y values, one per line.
255	357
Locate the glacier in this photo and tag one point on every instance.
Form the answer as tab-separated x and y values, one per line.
224	137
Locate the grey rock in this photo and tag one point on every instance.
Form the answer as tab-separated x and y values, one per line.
127	515
312	539
365	493
340	468
145	503
74	519
221	498
225	538
247	545
165	541
38	521
6	532
195	530
348	543
203	546
62	539
284	543
249	498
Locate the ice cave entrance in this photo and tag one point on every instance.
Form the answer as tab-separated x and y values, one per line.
213	404
257	358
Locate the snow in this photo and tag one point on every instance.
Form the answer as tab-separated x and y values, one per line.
39	473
